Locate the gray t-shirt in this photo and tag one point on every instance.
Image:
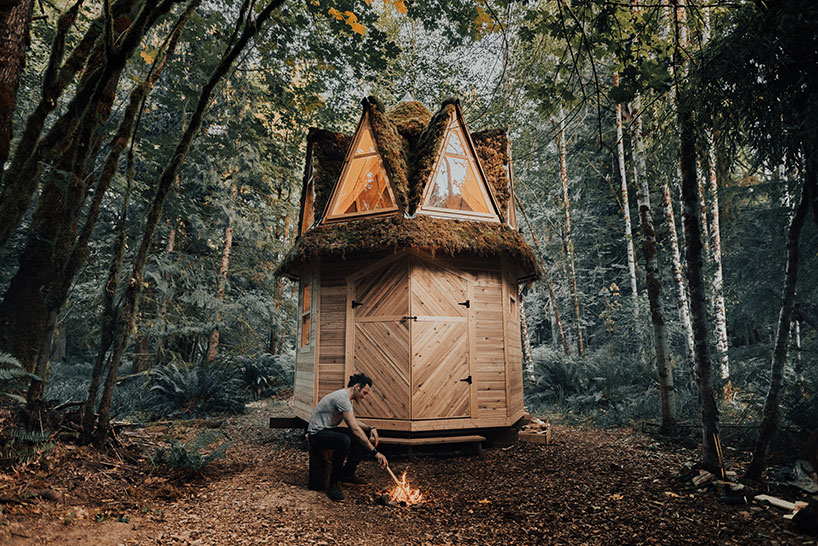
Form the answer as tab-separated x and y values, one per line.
327	413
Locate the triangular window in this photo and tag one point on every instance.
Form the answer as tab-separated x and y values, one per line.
457	187
364	187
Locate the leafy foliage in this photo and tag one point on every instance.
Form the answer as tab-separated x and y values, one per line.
266	374
21	446
13	377
195	391
190	456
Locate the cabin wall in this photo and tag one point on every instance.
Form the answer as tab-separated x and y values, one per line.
514	387
333	312
304	388
496	344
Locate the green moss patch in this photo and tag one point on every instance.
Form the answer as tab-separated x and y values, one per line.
328	153
392	147
492	149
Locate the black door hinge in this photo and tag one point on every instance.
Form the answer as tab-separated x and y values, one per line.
466	303
467	380
356	304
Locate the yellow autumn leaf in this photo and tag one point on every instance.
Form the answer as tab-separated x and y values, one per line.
147	57
335	13
351	18
400	6
484	501
357	28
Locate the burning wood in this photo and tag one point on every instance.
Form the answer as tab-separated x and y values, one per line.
402	492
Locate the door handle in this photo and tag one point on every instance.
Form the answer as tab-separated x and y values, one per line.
467	380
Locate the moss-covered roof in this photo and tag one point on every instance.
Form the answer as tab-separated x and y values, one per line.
328	151
367	236
492	149
409	139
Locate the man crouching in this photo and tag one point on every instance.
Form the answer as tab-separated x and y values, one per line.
323	432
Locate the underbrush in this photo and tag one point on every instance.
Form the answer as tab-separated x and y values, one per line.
178	389
621	390
190	456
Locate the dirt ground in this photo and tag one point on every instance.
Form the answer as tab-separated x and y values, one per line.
589	486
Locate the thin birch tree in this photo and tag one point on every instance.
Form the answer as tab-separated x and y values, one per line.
559	131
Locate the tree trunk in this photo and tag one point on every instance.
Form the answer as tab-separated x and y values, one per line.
717	285
48	264
693	256
163	306
224	266
528	360
130	301
678	273
559	129
21	179
626	212
770	415
15	25
652	279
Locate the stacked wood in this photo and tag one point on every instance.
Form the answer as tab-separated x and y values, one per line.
536	432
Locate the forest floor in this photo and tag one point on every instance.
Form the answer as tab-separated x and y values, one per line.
589	486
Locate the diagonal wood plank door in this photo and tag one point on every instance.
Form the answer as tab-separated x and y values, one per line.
381	339
440	343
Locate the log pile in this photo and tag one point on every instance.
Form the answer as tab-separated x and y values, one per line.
536	432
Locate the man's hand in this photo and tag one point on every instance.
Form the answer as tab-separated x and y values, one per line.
373	436
381	460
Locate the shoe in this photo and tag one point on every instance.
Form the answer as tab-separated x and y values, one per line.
353	480
334	493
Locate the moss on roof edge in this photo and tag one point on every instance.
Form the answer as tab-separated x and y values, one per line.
392	147
423	160
376	235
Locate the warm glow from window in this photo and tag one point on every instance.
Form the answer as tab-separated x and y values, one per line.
455	185
309	212
365	186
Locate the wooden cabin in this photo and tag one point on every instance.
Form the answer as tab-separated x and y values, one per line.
408	263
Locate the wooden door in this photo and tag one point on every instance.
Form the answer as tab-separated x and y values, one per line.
378	306
442	382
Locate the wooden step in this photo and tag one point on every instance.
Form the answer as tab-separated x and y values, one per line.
432	440
287	422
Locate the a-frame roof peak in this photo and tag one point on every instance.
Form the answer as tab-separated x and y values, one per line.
456	186
364	186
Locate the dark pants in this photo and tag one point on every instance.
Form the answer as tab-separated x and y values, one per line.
345	448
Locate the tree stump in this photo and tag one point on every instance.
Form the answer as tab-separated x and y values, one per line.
320	469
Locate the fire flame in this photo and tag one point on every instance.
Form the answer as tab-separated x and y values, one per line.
404	493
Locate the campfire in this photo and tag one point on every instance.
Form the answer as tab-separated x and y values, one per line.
400	495
403	492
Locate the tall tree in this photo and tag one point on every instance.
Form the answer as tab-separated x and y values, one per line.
559	132
15	25
626	213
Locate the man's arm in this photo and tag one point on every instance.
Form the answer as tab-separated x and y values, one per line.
355	427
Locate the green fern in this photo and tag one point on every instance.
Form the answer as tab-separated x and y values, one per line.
23	446
188	456
13	377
